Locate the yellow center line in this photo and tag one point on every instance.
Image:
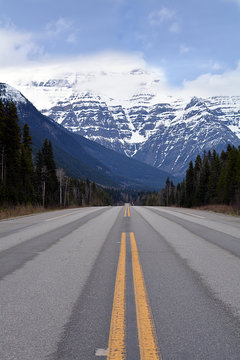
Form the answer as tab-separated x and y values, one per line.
116	343
146	330
127	212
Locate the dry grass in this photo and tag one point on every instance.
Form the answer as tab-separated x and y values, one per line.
7	212
223	209
19	210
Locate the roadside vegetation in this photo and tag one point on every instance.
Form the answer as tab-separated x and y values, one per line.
30	185
212	182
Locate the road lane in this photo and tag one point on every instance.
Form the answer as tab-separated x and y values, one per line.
16	256
226	224
37	299
218	268
14	232
146	329
224	236
58	305
116	344
12	225
191	321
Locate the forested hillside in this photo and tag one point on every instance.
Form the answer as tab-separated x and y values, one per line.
212	179
24	182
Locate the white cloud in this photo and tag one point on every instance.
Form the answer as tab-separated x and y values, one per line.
21	58
217	66
55	28
110	75
159	16
17	47
165	15
227	83
118	76
63	28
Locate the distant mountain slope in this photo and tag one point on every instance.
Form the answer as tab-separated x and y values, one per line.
164	135
81	157
160	130
197	129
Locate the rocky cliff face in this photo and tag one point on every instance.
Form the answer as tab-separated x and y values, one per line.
81	157
166	134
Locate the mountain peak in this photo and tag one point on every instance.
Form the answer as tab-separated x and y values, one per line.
195	101
8	93
164	132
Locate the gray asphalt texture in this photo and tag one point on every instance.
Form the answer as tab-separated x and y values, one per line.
58	273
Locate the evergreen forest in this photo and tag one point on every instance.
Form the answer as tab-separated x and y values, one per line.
211	180
24	181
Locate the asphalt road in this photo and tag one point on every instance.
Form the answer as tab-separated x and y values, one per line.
120	283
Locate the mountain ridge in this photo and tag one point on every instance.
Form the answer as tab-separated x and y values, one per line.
163	131
72	151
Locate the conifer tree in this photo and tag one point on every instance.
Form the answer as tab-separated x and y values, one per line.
213	177
12	146
202	190
40	178
88	191
228	179
189	185
46	174
2	142
27	170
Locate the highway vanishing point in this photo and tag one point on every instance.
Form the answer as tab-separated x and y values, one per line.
120	283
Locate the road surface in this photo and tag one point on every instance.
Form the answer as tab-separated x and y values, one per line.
122	283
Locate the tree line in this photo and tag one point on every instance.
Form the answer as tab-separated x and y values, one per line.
24	182
211	179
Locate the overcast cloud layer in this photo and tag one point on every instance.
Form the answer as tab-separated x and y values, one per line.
191	47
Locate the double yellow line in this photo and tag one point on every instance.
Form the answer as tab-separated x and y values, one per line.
146	330
127	212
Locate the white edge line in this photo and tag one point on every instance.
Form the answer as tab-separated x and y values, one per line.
198	216
58	217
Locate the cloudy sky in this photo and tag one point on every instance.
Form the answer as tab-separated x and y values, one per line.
194	44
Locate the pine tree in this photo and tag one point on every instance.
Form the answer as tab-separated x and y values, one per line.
12	146
189	185
172	197
2	142
167	190
46	174
93	194
213	178
228	182
40	178
27	171
202	190
87	191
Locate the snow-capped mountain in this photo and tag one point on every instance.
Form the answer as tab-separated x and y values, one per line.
163	131
81	157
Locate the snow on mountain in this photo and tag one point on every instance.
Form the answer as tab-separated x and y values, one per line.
8	93
81	157
139	119
195	130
